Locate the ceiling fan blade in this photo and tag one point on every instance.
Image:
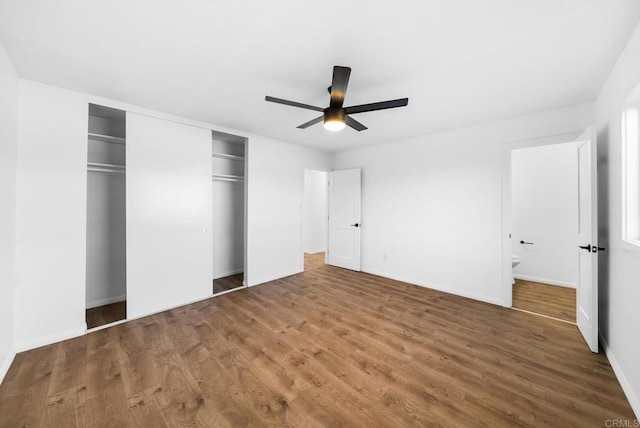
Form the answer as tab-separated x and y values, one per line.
311	122
382	105
354	124
292	103
339	85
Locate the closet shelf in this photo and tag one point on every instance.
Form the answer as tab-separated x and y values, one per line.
225	177
105	167
106	138
228	156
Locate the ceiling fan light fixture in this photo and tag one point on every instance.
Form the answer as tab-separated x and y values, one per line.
334	119
334	125
336	116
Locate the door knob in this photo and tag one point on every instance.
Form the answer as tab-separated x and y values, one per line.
355	224
585	247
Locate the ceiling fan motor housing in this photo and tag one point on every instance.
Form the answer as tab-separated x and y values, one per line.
334	114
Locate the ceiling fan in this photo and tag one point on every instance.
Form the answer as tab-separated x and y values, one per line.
336	116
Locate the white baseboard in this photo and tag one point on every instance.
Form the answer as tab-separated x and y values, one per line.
316	251
4	368
107	301
223	274
48	340
438	287
545	281
624	383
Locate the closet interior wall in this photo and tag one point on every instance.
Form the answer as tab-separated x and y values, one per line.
106	210
228	191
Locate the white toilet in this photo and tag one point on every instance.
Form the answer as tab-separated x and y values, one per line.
515	261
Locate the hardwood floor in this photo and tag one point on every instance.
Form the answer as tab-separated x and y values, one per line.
106	314
550	300
313	261
227	283
327	347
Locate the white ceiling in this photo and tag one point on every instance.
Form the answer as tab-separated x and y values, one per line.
460	62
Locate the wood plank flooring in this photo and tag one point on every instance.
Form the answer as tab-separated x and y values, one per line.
327	347
313	261
113	312
545	299
106	314
227	283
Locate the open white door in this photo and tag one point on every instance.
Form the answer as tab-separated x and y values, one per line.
587	290
343	244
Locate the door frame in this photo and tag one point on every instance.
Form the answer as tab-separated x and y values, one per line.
507	276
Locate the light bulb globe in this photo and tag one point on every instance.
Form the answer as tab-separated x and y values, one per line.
334	125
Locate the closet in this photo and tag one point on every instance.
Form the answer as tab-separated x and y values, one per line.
228	220
165	214
106	262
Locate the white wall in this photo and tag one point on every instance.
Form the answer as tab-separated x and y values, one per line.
619	266
432	205
276	172
314	215
9	84
544	202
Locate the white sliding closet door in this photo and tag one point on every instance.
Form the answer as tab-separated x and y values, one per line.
169	245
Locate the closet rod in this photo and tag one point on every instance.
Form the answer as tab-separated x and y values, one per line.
106	138
224	177
228	156
230	180
104	171
105	167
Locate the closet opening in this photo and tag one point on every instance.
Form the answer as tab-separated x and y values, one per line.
229	211
106	263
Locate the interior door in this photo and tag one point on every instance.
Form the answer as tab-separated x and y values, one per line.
587	290
168	193
343	244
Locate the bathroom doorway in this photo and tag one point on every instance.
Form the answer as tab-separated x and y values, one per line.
314	219
544	229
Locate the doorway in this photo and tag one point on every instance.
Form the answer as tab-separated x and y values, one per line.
544	227
314	219
586	251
